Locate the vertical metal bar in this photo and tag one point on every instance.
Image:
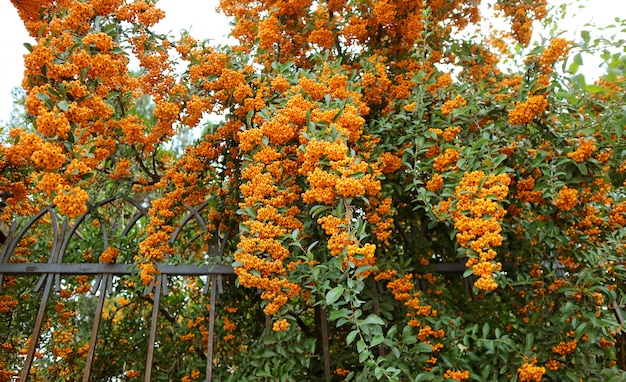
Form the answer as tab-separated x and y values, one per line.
49	280
57	282
96	284
5	255
164	285
95	327
469	286
618	313
325	347
109	286
151	341
210	340
37	329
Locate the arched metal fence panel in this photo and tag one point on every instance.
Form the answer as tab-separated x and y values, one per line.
64	232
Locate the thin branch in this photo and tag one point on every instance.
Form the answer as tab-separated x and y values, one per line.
166	313
152	175
405	237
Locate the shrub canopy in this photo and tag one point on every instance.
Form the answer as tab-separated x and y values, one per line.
404	192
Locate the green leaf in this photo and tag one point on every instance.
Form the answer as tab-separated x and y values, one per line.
486	330
586	37
580	330
63	105
351	336
373	319
364	268
426	376
489	345
46	99
619	131
582	168
423	348
334	294
244	227
318	209
499	159
364	356
461	163
68	146
83	72
486	371
377	340
592	88
378	373
530	339
337	314
408	338
578	59
117	50
360	346
468	272
249	118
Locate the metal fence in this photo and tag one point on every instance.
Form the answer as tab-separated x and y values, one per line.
63	233
51	273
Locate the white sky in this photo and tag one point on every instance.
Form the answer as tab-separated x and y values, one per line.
200	18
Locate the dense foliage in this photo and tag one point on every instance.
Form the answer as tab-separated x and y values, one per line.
362	145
